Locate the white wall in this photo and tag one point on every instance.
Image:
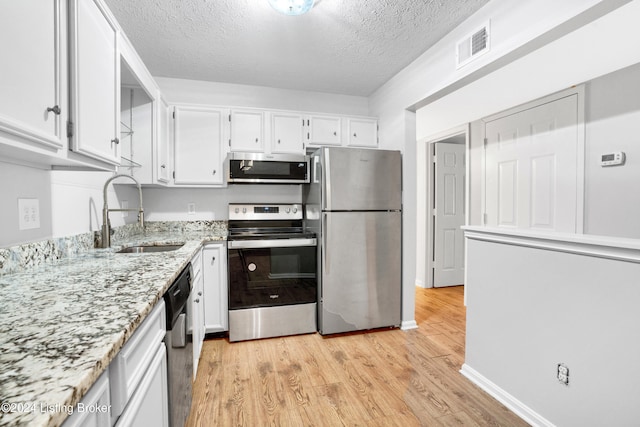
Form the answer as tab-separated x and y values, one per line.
574	58
234	95
612	198
531	308
24	183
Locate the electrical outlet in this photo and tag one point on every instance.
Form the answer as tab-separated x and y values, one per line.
563	373
191	208
28	214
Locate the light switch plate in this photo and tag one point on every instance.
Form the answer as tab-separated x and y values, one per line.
28	214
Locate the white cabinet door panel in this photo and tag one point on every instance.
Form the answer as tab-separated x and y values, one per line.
31	83
95	82
216	315
362	132
198	137
287	134
247	130
324	130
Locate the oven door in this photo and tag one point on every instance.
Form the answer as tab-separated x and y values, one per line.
267	273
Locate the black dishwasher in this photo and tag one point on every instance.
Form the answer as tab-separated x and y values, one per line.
179	349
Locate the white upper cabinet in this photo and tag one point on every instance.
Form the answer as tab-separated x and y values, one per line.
362	132
162	143
247	130
95	81
287	133
31	73
199	136
324	130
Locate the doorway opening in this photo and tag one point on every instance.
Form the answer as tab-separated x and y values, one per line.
446	208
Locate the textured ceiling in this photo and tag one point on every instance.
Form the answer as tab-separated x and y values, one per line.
341	46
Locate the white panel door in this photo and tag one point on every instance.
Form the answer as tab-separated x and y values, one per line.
216	313
449	214
532	167
199	137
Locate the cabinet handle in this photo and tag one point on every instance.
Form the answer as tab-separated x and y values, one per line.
55	110
116	140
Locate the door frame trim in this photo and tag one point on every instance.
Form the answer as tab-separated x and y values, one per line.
578	90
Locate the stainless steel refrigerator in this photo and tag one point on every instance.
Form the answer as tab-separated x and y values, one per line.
354	203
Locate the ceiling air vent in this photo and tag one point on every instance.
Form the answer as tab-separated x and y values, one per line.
472	46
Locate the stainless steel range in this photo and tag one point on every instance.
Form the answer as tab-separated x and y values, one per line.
272	272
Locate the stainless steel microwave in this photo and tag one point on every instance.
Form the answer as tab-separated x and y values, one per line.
262	168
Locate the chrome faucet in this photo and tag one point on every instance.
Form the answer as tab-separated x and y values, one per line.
106	224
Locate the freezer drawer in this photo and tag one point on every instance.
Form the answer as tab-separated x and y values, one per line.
361	272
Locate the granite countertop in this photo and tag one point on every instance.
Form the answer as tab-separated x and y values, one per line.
63	323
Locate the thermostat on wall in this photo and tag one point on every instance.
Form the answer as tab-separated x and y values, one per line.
613	159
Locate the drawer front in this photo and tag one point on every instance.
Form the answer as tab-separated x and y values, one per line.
130	365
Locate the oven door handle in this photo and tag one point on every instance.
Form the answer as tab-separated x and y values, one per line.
271	243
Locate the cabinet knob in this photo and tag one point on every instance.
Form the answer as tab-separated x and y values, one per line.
256	140
213	259
214	172
163	166
55	110
116	140
200	293
355	135
196	300
335	133
278	141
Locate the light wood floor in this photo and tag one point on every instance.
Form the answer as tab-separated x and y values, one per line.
379	378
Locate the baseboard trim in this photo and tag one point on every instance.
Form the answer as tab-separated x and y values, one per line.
408	324
517	407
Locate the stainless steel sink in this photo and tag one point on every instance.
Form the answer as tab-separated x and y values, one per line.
149	248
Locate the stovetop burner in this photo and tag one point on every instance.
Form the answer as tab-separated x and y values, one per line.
266	221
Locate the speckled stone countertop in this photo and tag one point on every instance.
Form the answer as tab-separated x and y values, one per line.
63	323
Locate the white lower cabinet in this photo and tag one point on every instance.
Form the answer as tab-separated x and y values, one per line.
138	376
195	311
214	268
149	405
94	409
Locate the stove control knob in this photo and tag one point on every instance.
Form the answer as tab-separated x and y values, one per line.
244	210
237	210
287	210
295	210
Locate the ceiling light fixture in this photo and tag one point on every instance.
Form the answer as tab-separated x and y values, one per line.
292	7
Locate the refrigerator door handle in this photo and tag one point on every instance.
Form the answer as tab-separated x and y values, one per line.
326	178
325	249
